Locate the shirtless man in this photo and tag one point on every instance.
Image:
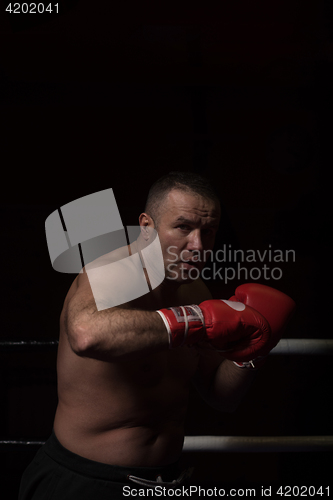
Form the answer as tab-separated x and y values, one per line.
123	387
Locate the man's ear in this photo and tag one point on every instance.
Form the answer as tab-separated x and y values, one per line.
146	222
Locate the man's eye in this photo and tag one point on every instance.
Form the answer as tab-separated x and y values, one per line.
183	227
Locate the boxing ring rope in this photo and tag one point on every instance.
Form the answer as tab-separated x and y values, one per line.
322	347
226	444
304	346
255	444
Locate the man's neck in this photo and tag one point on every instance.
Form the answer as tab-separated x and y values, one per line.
166	293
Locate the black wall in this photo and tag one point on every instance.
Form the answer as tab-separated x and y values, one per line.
112	96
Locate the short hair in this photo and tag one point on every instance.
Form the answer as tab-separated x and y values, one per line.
189	182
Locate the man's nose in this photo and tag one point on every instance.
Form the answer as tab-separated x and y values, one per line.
195	242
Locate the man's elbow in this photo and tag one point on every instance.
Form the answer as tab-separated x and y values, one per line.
87	344
80	340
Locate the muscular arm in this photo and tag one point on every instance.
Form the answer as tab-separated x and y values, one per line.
115	333
221	384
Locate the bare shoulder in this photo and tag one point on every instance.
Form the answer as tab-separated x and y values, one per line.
110	257
83	286
83	294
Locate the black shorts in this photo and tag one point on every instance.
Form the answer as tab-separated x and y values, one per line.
58	474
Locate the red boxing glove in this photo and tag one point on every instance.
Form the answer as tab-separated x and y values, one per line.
221	322
275	306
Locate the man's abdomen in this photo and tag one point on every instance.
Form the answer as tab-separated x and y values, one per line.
157	443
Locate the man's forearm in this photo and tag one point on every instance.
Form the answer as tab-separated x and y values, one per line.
230	385
121	333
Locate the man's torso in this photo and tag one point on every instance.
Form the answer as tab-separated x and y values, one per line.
126	412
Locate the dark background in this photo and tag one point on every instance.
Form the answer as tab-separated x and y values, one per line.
106	95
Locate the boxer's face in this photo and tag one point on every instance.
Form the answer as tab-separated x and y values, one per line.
186	228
